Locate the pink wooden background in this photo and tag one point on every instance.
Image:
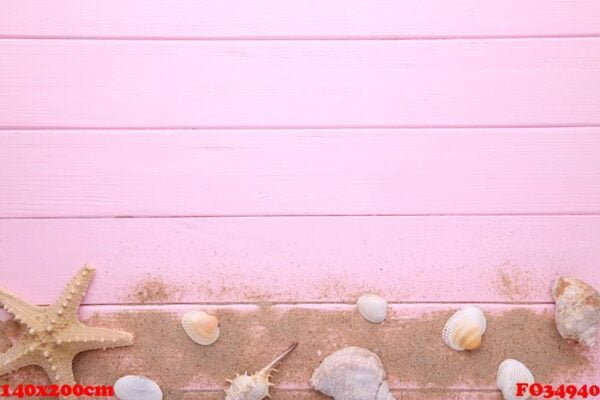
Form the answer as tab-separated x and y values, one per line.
300	152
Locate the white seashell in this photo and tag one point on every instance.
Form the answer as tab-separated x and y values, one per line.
255	387
201	327
352	373
510	372
577	312
464	329
372	307
135	387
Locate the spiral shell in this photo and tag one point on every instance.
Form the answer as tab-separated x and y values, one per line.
135	387
372	307
352	373
201	327
464	329
254	387
511	372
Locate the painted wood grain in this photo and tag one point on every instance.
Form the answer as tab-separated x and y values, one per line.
299	172
309	259
298	19
313	347
81	83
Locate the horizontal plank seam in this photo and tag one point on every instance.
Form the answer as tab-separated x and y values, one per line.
153	306
450	215
291	127
301	37
428	389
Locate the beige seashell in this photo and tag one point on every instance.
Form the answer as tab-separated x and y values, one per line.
135	387
464	329
510	372
577	312
372	307
255	387
201	327
352	373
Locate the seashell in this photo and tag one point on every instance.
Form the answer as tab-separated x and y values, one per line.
135	387
577	312
510	372
201	327
464	329
372	307
255	387
352	373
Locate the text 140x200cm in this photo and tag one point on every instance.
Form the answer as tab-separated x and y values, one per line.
28	391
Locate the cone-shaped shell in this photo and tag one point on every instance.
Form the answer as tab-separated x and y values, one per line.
201	327
464	329
352	373
372	307
510	372
135	387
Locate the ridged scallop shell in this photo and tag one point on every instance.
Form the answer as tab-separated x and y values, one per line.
510	372
464	329
201	327
135	387
352	373
255	387
372	307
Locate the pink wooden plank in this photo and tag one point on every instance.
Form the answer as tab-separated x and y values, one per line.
80	83
310	259
300	172
291	18
296	372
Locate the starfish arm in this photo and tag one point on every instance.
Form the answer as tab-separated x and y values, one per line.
59	367
81	337
73	294
28	314
20	355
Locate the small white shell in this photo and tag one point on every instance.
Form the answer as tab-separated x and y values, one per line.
372	307
511	372
135	387
464	329
201	327
352	373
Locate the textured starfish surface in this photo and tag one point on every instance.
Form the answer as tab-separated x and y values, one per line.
54	335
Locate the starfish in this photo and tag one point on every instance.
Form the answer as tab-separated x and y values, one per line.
54	335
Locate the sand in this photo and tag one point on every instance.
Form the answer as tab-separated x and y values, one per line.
411	349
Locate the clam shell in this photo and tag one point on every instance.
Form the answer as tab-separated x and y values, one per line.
372	307
352	373
135	387
201	327
464	329
510	372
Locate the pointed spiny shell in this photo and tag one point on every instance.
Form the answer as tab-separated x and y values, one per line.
255	387
464	329
248	387
201	327
352	373
510	372
372	307
135	387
